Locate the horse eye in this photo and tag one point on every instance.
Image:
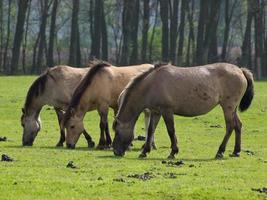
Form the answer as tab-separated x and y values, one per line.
72	126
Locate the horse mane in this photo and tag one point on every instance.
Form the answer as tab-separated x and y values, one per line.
94	61
86	81
37	88
134	82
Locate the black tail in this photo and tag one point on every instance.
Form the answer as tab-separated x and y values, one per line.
249	94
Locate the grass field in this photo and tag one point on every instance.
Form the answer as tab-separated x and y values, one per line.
40	172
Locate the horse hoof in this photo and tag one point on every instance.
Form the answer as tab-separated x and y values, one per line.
219	156
100	147
171	157
59	144
91	144
235	154
142	155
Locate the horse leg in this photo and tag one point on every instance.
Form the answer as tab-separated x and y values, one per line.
154	118
229	129
90	142
147	120
169	121
103	123
108	137
60	115
238	126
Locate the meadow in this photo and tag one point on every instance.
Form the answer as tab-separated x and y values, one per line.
40	172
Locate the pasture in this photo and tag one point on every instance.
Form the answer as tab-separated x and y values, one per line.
40	172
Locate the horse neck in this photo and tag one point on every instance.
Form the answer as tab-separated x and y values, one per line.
131	111
35	107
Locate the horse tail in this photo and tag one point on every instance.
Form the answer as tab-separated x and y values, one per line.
249	94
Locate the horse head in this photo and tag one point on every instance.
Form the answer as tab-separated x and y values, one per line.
74	127
123	137
31	124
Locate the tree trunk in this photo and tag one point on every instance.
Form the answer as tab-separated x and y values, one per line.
5	64
129	31
42	39
246	46
228	14
134	33
259	41
52	35
104	36
22	9
1	35
153	32
174	31
96	39
181	33
203	15
164	14
25	40
191	38
146	16
210	53
75	51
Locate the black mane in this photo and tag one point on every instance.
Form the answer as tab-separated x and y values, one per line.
36	89
135	81
86	81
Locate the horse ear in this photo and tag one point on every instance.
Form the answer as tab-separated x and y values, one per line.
23	110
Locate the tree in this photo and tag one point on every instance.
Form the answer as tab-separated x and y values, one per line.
22	9
129	31
52	35
96	37
5	65
75	50
1	33
246	46
134	33
181	32
145	30
259	37
174	30
24	48
164	14
191	38
228	14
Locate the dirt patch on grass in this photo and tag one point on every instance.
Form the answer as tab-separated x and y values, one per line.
3	139
260	190
6	158
144	177
71	165
249	152
171	163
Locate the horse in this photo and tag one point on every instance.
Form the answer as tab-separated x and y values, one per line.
55	88
169	90
99	90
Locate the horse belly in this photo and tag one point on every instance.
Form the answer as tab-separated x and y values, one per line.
195	105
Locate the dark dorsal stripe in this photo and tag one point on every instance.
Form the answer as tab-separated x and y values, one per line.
86	81
36	89
135	82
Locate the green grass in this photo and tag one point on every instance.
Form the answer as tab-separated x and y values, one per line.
40	172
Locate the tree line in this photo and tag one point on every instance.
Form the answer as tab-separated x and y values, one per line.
35	34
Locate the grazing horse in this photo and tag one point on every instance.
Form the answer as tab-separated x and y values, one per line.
55	88
168	90
98	90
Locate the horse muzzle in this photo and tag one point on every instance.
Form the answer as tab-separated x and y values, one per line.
70	146
27	143
118	152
